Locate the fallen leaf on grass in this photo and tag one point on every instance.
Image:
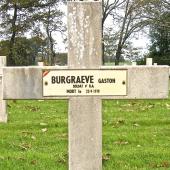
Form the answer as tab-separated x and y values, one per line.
8	105
164	164
136	125
121	142
129	110
151	106
33	162
47	117
167	106
42	113
106	157
105	122
25	146
127	105
43	124
147	107
32	108
21	158
33	137
44	130
62	158
120	121
26	132
62	136
2	158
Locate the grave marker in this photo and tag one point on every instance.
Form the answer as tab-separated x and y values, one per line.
134	63
85	113
3	112
40	63
84	53
84	82
149	61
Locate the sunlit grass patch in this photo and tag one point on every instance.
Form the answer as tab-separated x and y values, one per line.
136	135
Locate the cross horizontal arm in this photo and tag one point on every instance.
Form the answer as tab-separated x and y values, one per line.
25	82
143	82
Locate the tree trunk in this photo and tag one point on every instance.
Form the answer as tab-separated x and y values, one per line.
121	38
51	54
52	50
10	59
103	47
118	55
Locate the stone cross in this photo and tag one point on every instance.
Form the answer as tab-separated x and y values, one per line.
149	61
3	112
85	111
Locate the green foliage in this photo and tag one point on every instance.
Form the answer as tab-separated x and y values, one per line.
109	45
19	17
4	48
141	61
25	50
61	58
160	36
16	16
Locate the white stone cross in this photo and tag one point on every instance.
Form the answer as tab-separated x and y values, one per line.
3	113
85	112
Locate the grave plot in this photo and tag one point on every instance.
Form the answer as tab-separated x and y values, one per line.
85	92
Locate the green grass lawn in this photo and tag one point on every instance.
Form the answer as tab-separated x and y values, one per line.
136	135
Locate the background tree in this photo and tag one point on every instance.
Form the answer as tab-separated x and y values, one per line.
131	53
15	21
154	10
160	40
48	22
131	17
110	45
52	23
108	9
131	21
25	51
19	17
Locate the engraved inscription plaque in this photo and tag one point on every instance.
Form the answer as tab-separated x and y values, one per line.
84	82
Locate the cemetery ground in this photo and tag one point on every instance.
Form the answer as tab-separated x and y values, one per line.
136	135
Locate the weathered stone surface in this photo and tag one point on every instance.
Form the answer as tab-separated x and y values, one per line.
24	82
85	133
3	112
144	82
84	52
84	34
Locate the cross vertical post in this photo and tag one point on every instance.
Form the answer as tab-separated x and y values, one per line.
85	113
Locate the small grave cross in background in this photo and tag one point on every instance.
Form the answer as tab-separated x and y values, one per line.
85	82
